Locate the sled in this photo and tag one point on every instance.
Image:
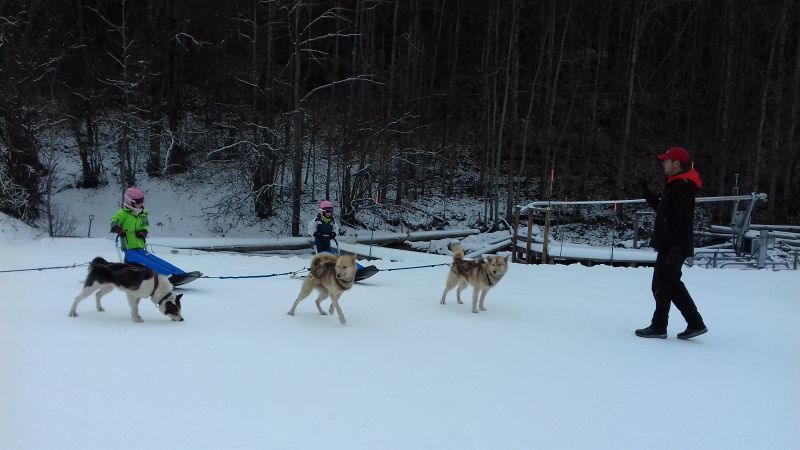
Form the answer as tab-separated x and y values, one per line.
188	277
362	273
176	276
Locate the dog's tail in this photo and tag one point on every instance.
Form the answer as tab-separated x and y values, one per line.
458	251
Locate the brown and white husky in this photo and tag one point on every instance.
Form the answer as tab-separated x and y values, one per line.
482	274
332	276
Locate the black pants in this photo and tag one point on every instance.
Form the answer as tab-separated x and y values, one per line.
322	245
668	288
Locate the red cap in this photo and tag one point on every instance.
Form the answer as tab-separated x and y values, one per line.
675	154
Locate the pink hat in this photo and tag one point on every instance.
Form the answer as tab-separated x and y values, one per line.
675	154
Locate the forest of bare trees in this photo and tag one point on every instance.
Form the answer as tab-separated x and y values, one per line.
543	98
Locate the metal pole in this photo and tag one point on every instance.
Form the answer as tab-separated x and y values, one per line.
514	235
545	259
372	235
762	249
530	237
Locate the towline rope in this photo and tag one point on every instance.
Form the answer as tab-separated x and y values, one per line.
415	267
45	268
231	277
305	269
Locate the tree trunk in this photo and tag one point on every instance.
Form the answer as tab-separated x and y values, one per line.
622	156
263	177
774	159
297	129
759	153
722	154
790	187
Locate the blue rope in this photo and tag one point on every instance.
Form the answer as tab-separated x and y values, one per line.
45	268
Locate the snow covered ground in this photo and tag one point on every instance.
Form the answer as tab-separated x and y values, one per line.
552	364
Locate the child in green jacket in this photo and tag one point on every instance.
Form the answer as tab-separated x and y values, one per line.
131	226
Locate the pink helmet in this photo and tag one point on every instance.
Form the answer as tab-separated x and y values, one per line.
133	197
326	206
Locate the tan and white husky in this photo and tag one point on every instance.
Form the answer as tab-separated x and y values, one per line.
331	275
482	274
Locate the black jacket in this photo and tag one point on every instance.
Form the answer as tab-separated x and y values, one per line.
674	224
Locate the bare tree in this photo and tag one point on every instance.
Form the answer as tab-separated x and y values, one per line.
790	184
125	83
755	171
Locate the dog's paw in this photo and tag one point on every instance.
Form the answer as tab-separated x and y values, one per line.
100	309
483	309
323	313
291	313
460	302
73	314
138	319
475	311
442	302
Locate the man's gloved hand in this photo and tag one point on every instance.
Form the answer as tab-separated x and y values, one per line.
333	235
141	234
121	232
317	234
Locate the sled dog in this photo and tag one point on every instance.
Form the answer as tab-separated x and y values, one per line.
136	281
481	274
331	275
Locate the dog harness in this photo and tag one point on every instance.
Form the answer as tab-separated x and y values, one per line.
488	279
155	287
463	267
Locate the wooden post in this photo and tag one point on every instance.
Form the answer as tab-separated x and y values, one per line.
636	225
530	237
545	259
514	235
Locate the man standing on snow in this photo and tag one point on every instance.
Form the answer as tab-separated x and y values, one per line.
673	239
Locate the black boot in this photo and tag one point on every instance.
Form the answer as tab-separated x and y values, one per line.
649	332
691	332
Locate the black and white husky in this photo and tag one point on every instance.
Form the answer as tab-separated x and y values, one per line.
136	281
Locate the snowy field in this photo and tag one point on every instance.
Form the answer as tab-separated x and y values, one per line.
552	364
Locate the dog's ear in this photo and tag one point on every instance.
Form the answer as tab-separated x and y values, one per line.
506	258
178	297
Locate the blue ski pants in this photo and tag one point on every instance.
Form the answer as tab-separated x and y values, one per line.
141	256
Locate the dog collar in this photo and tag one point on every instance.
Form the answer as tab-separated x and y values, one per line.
164	298
343	284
